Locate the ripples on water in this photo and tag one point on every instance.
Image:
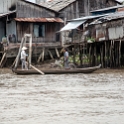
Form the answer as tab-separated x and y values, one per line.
95	98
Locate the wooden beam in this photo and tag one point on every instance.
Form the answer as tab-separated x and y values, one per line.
21	45
57	52
30	47
40	56
120	53
50	54
3	57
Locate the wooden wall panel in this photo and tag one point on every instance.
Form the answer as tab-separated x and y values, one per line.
31	10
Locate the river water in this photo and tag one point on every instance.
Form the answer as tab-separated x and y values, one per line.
96	98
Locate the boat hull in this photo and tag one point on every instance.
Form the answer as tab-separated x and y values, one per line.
57	71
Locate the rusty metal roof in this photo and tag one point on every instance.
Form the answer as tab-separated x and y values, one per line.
57	5
112	16
39	20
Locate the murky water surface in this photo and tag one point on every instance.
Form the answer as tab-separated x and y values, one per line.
96	98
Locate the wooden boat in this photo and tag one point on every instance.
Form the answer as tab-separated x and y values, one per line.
57	71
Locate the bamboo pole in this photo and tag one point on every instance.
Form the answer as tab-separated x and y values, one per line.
50	54
43	54
17	60
37	69
30	48
57	52
3	57
39	58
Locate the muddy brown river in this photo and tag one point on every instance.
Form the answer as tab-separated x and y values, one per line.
96	98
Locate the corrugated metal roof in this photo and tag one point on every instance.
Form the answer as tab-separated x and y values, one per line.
57	5
120	1
43	5
39	20
111	16
72	25
88	17
108	8
5	14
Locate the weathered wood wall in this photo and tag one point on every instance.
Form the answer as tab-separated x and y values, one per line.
50	31
112	30
99	4
7	5
25	10
2	30
70	12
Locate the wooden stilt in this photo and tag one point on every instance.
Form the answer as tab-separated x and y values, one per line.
14	63
74	54
2	60
120	53
30	48
39	58
101	54
50	54
90	54
113	54
80	55
17	60
95	57
105	58
43	53
57	53
107	53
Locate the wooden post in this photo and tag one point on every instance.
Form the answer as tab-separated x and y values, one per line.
57	52
43	54
90	54
111	54
120	53
30	49
3	57
80	56
17	60
74	54
21	45
39	58
50	54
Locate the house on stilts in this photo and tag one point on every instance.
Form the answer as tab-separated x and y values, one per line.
43	21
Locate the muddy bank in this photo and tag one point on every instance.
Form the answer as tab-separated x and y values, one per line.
5	70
